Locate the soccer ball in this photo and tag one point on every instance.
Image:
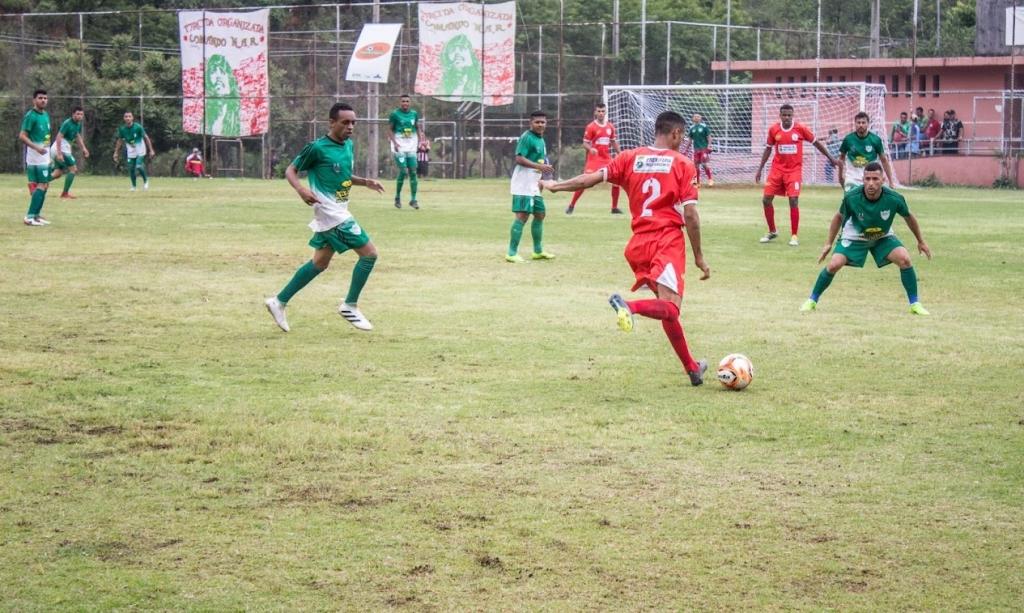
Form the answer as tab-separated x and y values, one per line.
735	371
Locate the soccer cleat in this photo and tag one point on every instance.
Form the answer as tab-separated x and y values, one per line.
569	210
514	259
354	316
794	241
398	202
617	211
697	376
414	204
543	255
622	312
809	305
42	220
276	309
711	182
767	238
67	196
145	186
132	188
33	221
918	309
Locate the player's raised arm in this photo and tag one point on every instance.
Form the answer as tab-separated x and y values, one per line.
584	181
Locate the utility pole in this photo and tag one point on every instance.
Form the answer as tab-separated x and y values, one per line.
373	110
876	26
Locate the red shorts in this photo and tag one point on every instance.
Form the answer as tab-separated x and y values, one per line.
781	183
596	162
702	156
658	258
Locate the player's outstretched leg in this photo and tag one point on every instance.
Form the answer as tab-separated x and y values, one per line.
622	312
825	278
668	312
360	274
303	275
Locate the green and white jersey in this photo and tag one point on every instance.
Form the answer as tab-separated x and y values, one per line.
864	220
403	126
699	134
134	138
525	180
37	125
69	131
859	153
329	164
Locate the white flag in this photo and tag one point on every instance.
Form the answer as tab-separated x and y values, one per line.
371	61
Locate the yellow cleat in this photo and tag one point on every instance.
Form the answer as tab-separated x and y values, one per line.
918	309
543	255
622	312
514	259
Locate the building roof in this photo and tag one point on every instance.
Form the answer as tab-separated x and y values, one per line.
872	63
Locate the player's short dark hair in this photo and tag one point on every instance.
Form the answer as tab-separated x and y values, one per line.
600	105
76	109
902	113
39	91
873	167
668	121
538	113
404	96
785	107
339	107
862	115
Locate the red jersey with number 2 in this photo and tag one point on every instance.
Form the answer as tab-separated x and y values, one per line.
789	146
658	182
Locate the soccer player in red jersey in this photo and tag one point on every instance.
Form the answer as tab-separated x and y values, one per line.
661	185
598	140
786	138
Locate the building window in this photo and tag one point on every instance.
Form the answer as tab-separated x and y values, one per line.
778	79
867	78
935	86
922	85
909	86
842	78
895	85
881	79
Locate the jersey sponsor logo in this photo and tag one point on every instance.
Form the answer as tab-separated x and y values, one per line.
652	164
787	149
372	51
885	215
795	137
336	168
342	194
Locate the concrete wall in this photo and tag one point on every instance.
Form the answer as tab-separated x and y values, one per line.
990	22
979	170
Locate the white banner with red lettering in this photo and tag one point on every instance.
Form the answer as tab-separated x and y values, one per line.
224	79
467	52
371	61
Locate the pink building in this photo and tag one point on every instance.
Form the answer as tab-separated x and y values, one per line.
978	88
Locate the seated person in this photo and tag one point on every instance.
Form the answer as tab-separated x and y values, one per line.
194	164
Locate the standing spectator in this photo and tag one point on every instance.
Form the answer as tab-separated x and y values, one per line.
915	135
899	136
832	144
423	159
944	139
932	130
952	132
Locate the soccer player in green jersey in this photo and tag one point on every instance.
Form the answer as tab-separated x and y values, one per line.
866	217
328	160
64	162
858	149
531	153
406	135
35	135
699	135
138	147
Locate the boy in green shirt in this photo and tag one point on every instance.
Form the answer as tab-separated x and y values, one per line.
406	137
35	135
531	153
138	147
866	217
64	162
858	149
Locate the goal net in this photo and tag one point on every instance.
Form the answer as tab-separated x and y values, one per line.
739	117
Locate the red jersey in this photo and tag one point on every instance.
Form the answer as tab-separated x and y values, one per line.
658	182
600	137
789	146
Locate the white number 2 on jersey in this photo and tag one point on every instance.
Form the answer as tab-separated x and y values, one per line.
653	186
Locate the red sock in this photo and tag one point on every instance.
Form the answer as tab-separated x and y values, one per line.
31	188
707	171
674	332
575	197
654	308
615	196
769	216
794	219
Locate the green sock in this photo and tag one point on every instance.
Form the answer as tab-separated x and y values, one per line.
909	279
516	236
824	280
131	169
360	274
414	182
306	273
68	180
36	204
537	232
142	169
401	182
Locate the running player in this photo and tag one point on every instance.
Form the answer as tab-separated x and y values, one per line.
531	162
138	147
786	138
64	162
328	160
699	135
661	184
858	149
35	135
598	140
866	217
406	134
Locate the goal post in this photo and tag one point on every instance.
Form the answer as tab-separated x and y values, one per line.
739	117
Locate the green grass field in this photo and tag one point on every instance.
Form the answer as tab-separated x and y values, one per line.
496	442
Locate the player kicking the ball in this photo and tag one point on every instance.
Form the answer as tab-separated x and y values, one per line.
786	138
866	217
661	184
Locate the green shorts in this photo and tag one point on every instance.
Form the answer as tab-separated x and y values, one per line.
341	238
528	204
406	160
69	161
38	174
856	252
